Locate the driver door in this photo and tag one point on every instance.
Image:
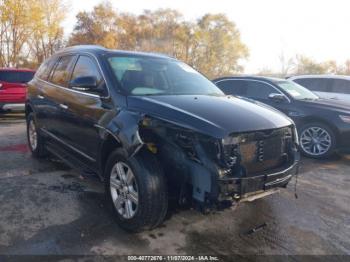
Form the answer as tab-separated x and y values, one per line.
84	109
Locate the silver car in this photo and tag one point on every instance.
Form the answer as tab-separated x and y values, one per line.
326	86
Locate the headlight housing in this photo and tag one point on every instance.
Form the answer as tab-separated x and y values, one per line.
345	118
229	150
230	140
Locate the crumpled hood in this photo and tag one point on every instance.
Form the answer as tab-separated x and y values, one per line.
216	116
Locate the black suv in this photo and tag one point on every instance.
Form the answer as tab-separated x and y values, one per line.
323	124
150	126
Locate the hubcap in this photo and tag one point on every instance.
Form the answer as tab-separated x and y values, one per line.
315	141
32	135
124	190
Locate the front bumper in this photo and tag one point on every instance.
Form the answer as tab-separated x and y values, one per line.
240	186
12	106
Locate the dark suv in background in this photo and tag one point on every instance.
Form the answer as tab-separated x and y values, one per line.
323	124
151	126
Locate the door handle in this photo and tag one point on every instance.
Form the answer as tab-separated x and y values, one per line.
63	106
41	97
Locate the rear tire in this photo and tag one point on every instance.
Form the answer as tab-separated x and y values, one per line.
140	204
36	142
317	140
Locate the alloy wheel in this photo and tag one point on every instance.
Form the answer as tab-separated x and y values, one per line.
124	190
32	134
315	141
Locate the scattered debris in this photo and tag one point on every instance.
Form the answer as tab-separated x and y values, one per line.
256	229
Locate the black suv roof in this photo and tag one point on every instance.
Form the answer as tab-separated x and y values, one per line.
261	78
97	49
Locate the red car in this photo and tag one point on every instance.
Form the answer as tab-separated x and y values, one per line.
13	86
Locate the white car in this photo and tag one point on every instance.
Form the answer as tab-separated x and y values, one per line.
326	86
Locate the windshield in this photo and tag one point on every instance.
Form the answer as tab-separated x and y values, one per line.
296	91
140	75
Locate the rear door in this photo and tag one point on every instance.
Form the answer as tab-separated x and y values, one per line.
13	85
35	94
341	89
54	96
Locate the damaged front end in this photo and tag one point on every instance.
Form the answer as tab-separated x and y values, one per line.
212	171
256	162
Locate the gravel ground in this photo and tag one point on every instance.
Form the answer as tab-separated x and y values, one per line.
49	209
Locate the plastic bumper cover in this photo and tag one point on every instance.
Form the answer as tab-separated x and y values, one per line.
238	187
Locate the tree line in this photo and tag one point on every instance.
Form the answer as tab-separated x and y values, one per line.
31	31
301	64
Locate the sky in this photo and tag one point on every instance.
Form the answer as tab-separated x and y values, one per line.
317	29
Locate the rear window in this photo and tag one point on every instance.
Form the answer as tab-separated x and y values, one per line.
233	87
61	73
315	84
16	77
341	86
45	69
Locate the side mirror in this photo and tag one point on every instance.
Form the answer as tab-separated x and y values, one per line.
84	83
277	97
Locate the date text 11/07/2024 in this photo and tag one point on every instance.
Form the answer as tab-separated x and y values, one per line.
173	258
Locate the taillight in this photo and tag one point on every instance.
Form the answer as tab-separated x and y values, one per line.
0	85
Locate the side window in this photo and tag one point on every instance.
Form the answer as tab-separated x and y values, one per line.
341	86
259	90
45	69
86	67
61	73
315	84
233	87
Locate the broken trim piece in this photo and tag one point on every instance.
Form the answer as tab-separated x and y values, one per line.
250	197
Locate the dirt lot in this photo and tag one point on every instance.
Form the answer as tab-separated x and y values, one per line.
47	208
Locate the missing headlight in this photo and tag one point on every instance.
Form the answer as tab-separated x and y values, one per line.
186	142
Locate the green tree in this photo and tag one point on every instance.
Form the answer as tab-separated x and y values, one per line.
217	47
306	65
159	31
29	31
212	44
15	29
47	34
99	27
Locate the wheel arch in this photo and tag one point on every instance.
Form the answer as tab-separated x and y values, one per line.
108	145
28	109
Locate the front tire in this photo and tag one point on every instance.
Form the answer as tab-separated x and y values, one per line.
317	140
35	140
136	190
